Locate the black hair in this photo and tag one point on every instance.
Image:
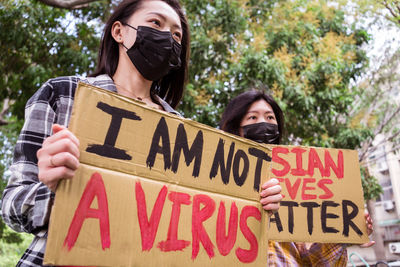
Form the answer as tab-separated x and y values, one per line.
239	106
171	86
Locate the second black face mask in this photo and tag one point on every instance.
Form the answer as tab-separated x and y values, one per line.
262	132
154	52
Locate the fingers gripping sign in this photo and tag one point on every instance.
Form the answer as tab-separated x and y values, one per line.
59	157
370	230
271	195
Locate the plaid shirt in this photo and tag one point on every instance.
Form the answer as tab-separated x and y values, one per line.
290	254
26	202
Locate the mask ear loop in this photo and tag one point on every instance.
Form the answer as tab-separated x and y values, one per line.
124	46
126	24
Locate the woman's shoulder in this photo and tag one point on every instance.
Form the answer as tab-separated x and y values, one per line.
64	86
55	88
103	81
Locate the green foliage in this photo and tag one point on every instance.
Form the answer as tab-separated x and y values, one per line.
372	188
8	138
214	27
8	235
38	42
303	51
10	253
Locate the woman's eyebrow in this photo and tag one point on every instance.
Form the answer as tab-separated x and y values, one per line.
164	18
256	111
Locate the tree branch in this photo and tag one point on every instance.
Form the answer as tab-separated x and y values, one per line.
387	120
367	145
67	4
4	110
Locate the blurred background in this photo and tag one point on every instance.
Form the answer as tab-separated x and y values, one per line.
333	66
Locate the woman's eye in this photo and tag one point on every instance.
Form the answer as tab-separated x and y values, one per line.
177	36
252	117
156	22
271	118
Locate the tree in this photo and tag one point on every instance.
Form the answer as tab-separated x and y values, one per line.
38	42
393	6
375	105
307	61
377	109
302	52
8	137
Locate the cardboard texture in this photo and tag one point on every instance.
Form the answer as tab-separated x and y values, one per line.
154	189
323	199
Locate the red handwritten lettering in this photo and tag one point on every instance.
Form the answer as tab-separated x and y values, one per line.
226	243
247	256
305	196
199	234
314	162
299	171
337	168
172	243
277	159
328	193
292	190
148	229
94	188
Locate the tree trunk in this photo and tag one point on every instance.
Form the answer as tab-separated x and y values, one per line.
377	235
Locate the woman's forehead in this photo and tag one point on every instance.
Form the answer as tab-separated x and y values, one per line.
161	9
260	106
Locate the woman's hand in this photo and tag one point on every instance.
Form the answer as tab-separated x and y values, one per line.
370	230
59	157
271	195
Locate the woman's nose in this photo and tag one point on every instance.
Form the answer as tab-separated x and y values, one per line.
261	119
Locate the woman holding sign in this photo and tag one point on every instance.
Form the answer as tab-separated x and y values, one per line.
143	55
256	116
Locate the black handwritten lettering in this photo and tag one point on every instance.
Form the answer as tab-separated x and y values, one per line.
108	149
347	218
240	178
310	214
325	215
275	218
220	163
290	205
260	155
195	151
161	132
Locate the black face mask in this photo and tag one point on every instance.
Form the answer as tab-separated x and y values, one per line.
154	52
262	132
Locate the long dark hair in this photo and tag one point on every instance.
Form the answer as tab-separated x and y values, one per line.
171	86
238	107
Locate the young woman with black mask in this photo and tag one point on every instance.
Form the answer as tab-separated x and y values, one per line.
143	55
256	116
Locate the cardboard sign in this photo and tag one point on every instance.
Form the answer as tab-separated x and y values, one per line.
322	195
154	189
